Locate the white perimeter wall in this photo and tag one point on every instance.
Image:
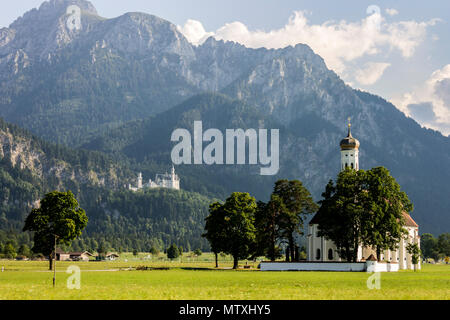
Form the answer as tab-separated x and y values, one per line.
313	266
369	266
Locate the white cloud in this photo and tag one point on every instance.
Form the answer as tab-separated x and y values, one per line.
337	42
194	31
429	104
392	12
371	73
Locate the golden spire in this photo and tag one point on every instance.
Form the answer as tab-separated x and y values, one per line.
349	127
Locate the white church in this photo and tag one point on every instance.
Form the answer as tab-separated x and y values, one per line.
167	180
322	254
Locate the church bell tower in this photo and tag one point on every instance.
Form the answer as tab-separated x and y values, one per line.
349	151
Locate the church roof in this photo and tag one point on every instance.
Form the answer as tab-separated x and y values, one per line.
409	222
349	142
315	219
371	258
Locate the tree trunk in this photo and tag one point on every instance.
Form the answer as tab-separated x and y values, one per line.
378	254
272	253
272	243
50	262
217	259
349	257
355	251
355	254
236	262
292	248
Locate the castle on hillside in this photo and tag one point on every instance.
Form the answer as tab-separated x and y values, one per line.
166	180
323	250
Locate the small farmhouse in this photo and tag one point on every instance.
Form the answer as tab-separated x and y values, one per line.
72	256
112	256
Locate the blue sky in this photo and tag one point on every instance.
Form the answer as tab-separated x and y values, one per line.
405	59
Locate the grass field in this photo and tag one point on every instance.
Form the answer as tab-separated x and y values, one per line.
196	279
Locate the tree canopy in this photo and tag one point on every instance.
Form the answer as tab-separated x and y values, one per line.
363	208
243	228
173	252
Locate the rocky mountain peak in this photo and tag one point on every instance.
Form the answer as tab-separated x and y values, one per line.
39	32
51	11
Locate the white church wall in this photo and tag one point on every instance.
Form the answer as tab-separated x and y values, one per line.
316	243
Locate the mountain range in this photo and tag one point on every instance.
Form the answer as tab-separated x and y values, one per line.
119	87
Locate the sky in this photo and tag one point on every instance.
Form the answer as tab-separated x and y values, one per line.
399	49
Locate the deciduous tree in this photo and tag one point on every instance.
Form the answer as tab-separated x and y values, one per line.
173	252
298	205
215	229
340	216
414	251
429	246
269	232
384	209
235	226
58	220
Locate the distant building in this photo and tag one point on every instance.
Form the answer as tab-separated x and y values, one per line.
112	256
166	180
72	256
80	256
62	256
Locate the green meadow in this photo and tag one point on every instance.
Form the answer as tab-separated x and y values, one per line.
197	279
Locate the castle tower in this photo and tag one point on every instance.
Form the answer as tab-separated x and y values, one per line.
139	182
175	180
349	151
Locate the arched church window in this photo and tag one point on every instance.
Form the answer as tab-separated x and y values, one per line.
330	254
318	254
352	165
346	165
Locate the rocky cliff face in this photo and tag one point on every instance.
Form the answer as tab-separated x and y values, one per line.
46	162
41	32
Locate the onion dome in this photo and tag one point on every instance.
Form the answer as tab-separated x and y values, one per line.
349	143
